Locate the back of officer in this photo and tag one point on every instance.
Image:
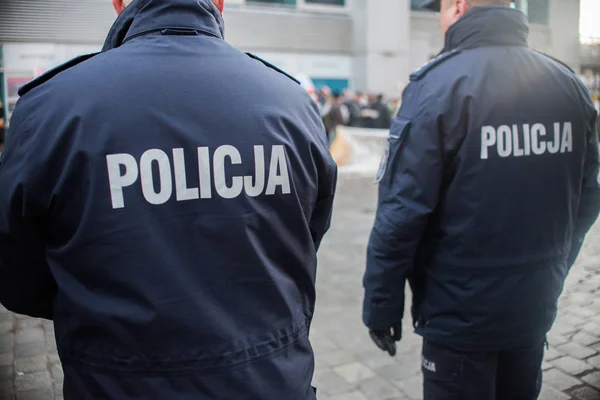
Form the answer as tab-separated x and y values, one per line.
172	241
490	185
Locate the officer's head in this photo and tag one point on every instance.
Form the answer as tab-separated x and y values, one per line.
452	10
120	5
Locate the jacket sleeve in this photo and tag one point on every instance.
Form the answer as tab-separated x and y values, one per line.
26	284
321	218
589	204
409	181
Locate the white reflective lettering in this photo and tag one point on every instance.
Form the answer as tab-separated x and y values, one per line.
118	181
488	139
504	141
278	172
554	146
259	174
147	177
538	146
567	139
237	182
204	173
517	151
526	140
181	190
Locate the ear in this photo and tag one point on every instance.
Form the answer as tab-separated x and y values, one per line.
119	6
462	6
220	5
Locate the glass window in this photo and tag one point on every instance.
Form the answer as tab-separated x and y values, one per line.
285	2
537	11
416	5
327	2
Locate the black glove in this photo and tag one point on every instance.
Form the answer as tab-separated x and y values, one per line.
386	340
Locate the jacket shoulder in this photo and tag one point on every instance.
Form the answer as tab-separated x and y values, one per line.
436	62
272	67
53	72
556	60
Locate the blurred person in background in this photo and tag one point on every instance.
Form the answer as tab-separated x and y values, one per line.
335	115
377	114
174	248
486	193
352	103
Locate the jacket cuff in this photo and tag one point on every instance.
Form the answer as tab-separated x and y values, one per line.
382	317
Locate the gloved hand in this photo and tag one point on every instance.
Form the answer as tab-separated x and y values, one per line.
386	339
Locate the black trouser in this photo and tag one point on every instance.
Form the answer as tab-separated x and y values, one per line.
506	375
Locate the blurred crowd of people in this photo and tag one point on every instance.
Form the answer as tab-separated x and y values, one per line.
355	109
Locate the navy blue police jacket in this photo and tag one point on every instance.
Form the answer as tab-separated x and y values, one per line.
163	202
488	189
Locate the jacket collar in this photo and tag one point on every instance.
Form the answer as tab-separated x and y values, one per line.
144	16
488	26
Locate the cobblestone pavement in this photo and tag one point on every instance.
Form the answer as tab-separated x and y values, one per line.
349	367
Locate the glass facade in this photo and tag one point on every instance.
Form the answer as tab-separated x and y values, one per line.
536	10
288	2
341	3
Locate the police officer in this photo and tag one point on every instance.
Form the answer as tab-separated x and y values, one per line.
172	241
486	194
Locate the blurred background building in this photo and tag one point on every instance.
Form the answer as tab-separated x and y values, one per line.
367	45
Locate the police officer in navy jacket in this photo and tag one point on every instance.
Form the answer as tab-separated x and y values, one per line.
172	241
487	191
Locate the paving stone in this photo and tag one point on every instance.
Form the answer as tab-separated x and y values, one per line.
354	372
576	350
53	358
583	312
571	320
551	354
6	316
594	361
7	342
350	396
571	366
35	395
559	380
6	359
58	388
323	346
585	393
333	359
592	379
561	329
31	364
26	322
57	372
378	389
6	327
331	383
584	339
412	387
546	365
30	335
549	393
592	328
376	361
30	349
33	381
555	339
6	373
398	371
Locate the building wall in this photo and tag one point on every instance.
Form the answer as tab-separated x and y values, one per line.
373	44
